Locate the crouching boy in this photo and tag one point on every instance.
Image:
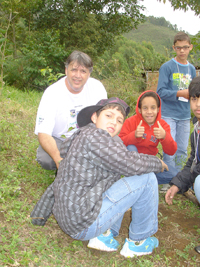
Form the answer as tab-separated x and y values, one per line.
191	172
89	198
145	130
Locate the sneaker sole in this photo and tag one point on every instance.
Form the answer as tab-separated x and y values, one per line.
99	246
135	254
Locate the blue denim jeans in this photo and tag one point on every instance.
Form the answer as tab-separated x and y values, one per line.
197	187
137	192
162	177
180	131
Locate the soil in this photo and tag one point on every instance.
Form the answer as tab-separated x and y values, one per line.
177	233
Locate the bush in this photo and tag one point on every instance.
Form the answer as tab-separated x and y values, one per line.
125	87
25	71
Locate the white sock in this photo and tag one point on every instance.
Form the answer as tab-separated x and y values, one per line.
137	243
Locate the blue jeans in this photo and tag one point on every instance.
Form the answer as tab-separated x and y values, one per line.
180	131
197	187
137	192
162	177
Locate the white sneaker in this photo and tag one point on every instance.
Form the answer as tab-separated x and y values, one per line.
131	248
165	188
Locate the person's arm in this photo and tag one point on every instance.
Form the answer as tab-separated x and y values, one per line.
164	89
169	146
49	145
183	93
127	133
184	179
113	156
170	194
164	166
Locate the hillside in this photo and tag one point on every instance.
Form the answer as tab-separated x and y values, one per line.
160	33
161	37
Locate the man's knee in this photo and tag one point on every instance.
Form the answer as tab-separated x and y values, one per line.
44	159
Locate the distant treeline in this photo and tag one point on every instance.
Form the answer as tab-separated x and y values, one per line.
161	21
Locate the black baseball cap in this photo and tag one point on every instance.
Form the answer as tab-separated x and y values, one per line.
84	116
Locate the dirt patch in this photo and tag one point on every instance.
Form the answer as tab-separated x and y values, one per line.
177	232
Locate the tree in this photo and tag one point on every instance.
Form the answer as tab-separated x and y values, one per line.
195	54
6	19
72	18
65	25
11	12
3	43
129	57
35	56
86	25
185	4
195	6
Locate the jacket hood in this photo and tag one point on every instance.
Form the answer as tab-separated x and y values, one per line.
137	109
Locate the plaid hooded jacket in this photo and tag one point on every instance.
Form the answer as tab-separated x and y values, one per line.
92	162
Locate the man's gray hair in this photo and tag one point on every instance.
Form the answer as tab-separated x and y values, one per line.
81	58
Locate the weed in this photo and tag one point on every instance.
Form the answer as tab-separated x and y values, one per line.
182	254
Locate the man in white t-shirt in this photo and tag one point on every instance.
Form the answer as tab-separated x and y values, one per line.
60	105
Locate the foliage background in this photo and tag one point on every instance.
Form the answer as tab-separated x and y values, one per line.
37	36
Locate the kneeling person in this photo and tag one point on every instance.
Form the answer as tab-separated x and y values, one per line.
145	130
190	174
89	198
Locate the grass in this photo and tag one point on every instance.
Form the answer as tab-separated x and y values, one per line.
23	182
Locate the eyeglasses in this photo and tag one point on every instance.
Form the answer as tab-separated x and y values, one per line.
179	48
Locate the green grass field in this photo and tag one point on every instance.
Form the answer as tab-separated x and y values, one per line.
23	182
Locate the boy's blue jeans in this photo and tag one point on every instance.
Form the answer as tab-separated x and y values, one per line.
180	131
137	192
163	177
197	187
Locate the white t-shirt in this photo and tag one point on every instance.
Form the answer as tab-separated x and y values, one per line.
58	109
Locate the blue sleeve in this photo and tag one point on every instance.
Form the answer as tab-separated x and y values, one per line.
193	72
164	88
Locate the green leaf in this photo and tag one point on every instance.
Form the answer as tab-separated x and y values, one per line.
3	40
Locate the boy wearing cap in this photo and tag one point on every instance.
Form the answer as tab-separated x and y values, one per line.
89	198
